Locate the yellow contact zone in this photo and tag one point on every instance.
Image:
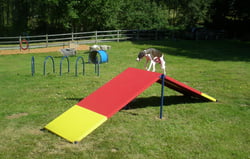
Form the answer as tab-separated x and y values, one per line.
208	97
76	123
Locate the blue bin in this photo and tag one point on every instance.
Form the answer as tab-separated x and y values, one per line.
103	57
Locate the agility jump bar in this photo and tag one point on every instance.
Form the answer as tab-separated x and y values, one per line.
92	111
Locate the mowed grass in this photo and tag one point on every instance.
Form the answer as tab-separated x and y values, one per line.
190	128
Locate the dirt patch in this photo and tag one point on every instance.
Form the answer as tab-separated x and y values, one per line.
14	116
40	50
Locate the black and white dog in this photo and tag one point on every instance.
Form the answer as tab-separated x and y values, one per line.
154	56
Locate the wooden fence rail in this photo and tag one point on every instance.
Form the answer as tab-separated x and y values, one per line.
40	41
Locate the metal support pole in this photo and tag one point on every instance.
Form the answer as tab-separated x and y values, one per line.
162	94
32	65
97	68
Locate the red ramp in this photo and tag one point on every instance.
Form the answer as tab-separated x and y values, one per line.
95	109
185	89
119	91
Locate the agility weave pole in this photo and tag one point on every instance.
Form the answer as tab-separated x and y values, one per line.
84	117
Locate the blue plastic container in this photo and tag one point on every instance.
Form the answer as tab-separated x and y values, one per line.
103	57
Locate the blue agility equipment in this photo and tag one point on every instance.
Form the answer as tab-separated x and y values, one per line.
103	57
93	58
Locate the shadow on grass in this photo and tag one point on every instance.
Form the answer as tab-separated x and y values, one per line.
155	101
75	99
214	50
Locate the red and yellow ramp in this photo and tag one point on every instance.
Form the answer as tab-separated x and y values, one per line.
84	117
92	111
185	89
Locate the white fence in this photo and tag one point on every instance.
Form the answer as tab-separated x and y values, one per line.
41	41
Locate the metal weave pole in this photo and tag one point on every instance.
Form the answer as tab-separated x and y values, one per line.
97	68
162	94
32	65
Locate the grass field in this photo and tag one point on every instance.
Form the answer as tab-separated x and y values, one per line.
190	128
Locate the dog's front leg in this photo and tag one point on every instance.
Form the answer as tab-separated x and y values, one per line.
164	71
153	63
163	66
145	66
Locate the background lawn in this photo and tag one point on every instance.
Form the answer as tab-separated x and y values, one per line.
190	128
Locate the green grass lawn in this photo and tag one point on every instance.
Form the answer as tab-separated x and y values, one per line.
190	128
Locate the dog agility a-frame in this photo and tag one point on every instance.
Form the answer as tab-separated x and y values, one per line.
84	117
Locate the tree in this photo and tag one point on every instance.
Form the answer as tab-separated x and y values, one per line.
139	14
232	16
58	16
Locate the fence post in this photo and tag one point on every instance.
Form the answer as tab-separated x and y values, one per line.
72	37
95	37
137	35
47	40
20	40
118	36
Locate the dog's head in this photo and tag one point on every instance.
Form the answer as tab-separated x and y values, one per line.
140	55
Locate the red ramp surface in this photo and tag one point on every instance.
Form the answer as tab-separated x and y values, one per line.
119	91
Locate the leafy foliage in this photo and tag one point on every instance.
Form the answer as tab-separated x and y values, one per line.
57	16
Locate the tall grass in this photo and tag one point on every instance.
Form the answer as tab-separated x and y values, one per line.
190	128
